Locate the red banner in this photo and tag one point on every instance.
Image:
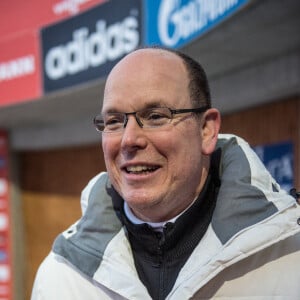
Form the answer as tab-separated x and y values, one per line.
6	292
20	15
20	23
20	76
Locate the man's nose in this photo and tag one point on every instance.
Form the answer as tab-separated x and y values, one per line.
133	135
136	118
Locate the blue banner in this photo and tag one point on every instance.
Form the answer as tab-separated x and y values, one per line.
279	160
174	23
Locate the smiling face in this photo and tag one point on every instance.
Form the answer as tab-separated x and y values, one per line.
157	172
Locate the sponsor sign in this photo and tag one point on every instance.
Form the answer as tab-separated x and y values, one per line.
174	23
87	46
279	160
5	223
19	69
19	56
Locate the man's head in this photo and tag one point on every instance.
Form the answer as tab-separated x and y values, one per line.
158	171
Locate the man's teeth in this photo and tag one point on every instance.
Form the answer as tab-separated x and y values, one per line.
139	169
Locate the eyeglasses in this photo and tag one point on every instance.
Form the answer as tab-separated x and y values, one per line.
147	118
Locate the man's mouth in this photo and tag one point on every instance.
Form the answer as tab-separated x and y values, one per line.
140	169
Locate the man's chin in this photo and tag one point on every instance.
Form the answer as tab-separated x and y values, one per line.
140	200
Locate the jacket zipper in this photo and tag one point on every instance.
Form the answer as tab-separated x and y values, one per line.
161	254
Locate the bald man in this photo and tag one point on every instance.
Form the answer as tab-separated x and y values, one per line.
182	212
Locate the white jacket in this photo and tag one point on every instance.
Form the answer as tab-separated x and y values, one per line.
251	249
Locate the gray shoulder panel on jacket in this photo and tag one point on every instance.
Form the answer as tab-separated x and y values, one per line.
84	248
240	204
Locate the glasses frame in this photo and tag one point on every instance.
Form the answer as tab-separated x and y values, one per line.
134	113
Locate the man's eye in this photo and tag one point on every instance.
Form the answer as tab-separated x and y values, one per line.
114	121
156	116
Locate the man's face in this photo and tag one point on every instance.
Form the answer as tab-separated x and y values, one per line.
157	172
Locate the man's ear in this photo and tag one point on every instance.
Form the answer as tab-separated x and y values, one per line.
210	130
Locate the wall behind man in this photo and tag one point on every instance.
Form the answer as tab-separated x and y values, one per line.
51	183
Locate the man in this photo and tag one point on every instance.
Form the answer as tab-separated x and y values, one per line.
180	213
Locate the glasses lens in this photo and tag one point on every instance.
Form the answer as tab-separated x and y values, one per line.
113	122
99	123
148	118
155	117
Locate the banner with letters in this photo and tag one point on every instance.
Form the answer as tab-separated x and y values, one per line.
20	72
174	23
19	69
87	46
6	279
71	42
279	160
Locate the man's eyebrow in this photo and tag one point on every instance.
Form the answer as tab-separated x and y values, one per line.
155	104
150	104
108	111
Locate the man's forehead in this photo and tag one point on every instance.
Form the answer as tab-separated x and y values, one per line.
146	74
154	58
147	64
